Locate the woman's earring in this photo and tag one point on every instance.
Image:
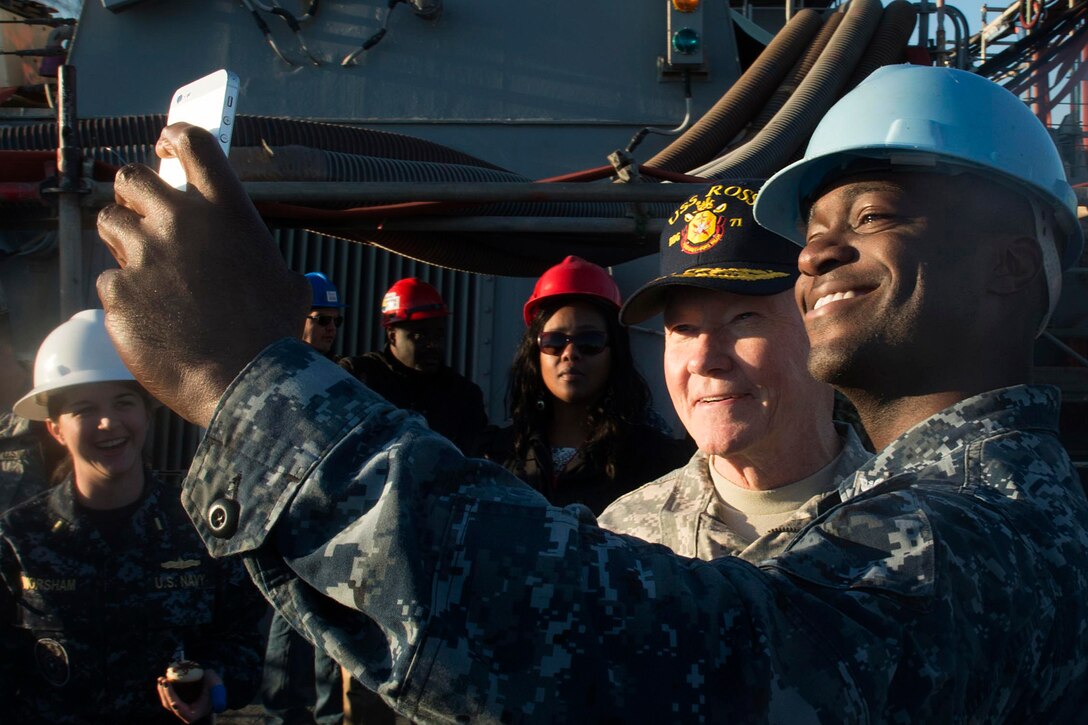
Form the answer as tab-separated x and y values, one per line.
540	404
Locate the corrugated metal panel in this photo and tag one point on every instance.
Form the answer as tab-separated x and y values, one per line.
362	274
171	443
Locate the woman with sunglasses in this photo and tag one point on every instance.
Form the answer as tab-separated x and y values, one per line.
580	409
104	582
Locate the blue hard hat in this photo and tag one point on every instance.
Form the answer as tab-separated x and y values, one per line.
927	119
325	294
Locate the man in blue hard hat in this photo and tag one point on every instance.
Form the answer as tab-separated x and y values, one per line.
301	683
326	315
948	582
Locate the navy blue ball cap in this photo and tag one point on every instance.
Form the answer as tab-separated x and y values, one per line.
712	242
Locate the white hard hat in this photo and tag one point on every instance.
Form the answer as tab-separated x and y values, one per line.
77	352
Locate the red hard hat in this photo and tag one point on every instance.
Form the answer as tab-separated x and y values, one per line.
573	276
411	299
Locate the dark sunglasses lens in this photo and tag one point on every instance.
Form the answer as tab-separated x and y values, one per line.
552	343
591	343
322	320
587	343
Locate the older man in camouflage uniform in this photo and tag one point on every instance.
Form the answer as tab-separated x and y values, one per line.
735	351
950	584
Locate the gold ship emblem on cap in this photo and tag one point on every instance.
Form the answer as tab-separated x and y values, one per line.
750	275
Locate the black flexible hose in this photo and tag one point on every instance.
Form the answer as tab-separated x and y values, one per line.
889	43
124	131
793	78
347	167
485	252
776	144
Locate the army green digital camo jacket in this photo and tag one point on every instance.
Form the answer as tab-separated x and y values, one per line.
683	511
950	585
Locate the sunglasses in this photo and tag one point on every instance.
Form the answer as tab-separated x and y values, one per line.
322	320
587	343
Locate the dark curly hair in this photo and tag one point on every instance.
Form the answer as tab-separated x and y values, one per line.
624	402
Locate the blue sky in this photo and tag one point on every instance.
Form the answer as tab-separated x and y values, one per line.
65	8
971	9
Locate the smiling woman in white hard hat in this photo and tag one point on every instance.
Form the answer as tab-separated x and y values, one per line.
94	408
103	581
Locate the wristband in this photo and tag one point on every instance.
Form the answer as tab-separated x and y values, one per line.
218	695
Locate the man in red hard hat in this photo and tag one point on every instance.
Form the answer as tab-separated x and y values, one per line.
411	372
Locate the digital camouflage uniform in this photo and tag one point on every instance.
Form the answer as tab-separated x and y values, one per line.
87	626
683	510
22	469
951	584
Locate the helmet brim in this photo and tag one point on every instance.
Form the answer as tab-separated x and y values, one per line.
35	404
781	201
528	311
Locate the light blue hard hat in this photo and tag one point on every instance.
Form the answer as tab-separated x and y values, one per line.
325	294
918	117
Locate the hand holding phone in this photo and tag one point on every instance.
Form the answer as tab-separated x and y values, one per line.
208	102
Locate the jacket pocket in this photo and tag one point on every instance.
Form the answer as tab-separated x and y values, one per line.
884	544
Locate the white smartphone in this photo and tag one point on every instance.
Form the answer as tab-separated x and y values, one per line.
208	102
